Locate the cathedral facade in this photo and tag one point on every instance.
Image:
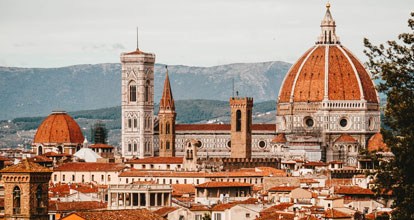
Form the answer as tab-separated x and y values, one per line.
327	110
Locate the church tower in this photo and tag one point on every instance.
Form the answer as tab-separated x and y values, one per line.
26	187
241	127
137	104
166	121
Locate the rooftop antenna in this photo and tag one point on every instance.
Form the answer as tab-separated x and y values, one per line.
137	39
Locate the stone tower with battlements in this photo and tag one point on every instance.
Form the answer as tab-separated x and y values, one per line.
26	187
241	127
166	121
137	104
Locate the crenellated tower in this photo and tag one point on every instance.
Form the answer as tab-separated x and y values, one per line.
137	104
166	120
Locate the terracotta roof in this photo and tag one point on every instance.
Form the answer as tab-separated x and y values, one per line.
156	160
126	214
276	215
338	182
5	158
26	167
334	213
280	138
352	190
197	207
83	166
75	206
308	181
376	143
163	212
54	154
221	127
309	72
167	100
102	146
181	189
345	138
315	164
279	207
59	127
282	188
64	189
40	159
223	185
223	207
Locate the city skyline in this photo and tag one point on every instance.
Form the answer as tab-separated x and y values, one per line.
194	33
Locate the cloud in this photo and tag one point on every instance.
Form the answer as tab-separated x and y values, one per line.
103	47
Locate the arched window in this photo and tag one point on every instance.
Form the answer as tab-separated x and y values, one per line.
135	123
39	150
39	196
135	147
129	123
167	128
161	127
16	200
168	145
238	120
147	91
132	92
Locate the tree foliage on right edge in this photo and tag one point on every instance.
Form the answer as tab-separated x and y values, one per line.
393	63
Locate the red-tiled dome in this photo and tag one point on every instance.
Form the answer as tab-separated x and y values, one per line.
328	70
59	127
376	143
346	138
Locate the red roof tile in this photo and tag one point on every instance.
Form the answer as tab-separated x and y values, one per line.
282	188
156	160
126	214
40	159
334	213
279	207
181	189
101	146
345	138
223	185
83	166
163	212
75	206
26	167
352	190
280	138
59	127
376	143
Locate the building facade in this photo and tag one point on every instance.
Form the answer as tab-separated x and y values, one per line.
326	94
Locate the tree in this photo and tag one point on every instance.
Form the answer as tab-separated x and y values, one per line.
393	64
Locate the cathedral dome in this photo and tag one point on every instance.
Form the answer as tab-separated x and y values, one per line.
59	127
327	71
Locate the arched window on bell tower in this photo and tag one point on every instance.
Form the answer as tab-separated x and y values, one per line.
167	128
39	150
238	120
16	200
132	92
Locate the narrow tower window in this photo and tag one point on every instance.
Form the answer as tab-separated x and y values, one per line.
39	150
133	93
167	128
147	91
238	120
16	200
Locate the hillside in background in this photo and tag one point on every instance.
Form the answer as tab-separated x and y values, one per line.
38	91
22	130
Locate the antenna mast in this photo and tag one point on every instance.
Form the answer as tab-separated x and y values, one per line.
137	39
233	86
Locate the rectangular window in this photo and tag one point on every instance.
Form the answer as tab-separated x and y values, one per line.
198	217
168	166
247	215
63	178
73	178
93	177
133	93
102	178
55	178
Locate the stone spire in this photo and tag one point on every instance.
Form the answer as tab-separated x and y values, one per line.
328	35
167	100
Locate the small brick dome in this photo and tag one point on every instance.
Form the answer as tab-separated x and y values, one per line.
59	127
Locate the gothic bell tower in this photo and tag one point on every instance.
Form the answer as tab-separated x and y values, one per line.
241	127
166	121
26	187
137	104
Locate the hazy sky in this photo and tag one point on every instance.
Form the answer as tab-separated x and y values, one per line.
54	33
